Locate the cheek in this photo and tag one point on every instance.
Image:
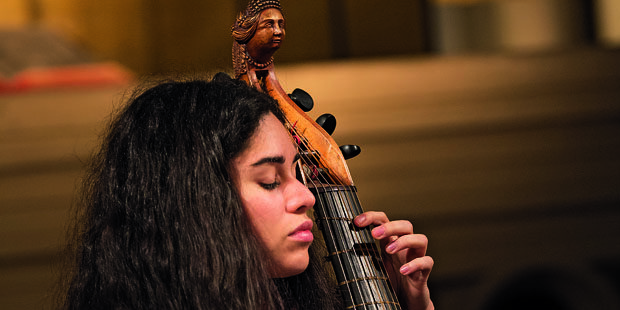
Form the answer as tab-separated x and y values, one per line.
266	220
262	209
261	35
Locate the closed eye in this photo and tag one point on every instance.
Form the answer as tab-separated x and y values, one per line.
270	186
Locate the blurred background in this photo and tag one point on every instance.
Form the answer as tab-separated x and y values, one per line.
493	125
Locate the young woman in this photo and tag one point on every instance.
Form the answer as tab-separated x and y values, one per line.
193	203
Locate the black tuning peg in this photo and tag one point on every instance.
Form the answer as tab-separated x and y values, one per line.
328	122
350	151
302	99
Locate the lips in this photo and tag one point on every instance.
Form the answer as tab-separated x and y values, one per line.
307	225
303	232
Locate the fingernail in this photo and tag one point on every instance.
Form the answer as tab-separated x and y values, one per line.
360	219
404	269
391	247
378	232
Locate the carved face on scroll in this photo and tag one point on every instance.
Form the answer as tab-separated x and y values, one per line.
268	37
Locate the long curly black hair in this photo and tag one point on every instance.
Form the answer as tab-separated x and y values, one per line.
160	224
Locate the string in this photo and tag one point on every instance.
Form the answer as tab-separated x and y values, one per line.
353	207
372	252
366	280
331	186
306	158
339	218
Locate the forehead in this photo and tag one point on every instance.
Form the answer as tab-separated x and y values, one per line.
271	138
271	13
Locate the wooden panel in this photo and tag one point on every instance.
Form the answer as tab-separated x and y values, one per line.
505	162
45	138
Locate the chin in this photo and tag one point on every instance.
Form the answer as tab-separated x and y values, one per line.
293	267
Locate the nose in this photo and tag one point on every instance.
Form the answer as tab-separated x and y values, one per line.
299	199
277	29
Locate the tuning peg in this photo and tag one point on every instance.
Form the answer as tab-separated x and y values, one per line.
350	151
302	99
328	122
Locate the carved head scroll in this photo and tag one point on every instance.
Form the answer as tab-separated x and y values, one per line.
258	32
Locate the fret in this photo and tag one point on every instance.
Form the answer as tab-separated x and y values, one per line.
363	279
359	270
347	219
340	252
394	305
370	251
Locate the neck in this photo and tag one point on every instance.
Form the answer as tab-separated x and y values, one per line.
260	63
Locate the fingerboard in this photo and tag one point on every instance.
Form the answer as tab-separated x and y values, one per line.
357	263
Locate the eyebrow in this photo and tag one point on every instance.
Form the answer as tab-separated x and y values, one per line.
274	160
264	19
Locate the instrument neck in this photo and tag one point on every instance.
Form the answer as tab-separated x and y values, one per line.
357	263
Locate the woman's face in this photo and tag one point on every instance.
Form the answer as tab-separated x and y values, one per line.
274	199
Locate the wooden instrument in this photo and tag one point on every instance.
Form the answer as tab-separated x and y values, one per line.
356	260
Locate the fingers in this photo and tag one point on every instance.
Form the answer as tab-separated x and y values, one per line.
418	243
371	217
384	228
399	236
422	265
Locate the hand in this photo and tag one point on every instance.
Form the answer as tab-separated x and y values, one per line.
404	256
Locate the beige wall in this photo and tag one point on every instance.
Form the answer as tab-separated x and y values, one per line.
538	25
110	30
608	22
13	13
